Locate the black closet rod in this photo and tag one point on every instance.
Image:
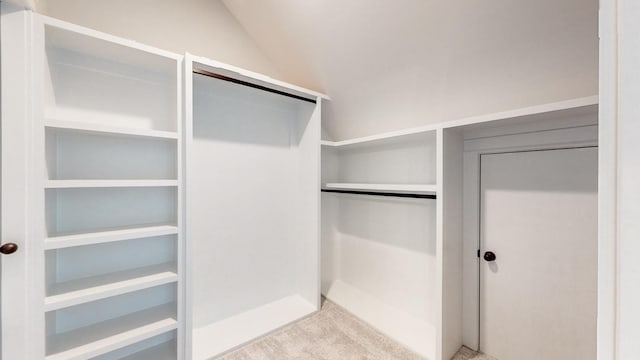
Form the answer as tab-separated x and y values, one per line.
251	85
376	193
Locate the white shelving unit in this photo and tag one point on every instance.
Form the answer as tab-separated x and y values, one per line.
359	233
108	126
379	252
253	159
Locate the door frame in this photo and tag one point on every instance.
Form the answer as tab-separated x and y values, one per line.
583	134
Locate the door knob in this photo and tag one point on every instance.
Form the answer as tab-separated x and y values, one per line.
8	248
489	256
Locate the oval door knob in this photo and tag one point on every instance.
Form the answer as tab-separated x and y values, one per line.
489	256
8	248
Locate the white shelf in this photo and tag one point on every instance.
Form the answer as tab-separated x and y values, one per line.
222	336
107	129
568	106
393	188
101	338
59	242
74	184
99	287
410	331
164	351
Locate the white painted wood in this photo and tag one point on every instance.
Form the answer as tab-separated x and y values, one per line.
108	129
400	188
19	298
201	63
253	173
451	241
608	171
628	171
164	351
539	212
539	112
102	286
107	136
75	184
407	329
220	337
60	242
98	339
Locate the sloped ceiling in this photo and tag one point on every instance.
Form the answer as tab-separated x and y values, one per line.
392	64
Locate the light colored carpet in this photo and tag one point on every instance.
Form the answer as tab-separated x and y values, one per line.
331	334
467	354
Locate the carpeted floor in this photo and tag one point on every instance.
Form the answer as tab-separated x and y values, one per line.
331	334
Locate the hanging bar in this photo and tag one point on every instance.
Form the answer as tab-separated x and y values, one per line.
377	193
251	85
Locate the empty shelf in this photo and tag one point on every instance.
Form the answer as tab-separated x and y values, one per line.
59	242
74	184
393	188
106	129
103	337
99	287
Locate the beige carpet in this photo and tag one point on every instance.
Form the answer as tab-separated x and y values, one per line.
331	334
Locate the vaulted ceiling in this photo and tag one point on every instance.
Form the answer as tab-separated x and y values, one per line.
391	64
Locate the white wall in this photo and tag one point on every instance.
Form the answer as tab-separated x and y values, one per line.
201	27
390	65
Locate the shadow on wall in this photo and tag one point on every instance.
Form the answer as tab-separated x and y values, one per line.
403	223
227	112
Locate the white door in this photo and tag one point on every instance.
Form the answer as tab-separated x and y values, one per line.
539	218
15	310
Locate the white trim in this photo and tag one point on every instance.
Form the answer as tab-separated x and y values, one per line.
607	182
250	76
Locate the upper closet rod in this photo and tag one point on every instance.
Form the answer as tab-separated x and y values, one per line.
255	86
376	193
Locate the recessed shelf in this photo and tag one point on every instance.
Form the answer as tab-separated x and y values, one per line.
59	242
107	129
99	287
103	337
74	184
393	188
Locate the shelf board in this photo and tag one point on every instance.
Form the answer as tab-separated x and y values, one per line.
75	184
99	287
60	242
164	351
224	335
110	335
392	188
567	107
107	129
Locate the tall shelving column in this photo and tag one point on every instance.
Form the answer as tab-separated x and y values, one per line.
108	127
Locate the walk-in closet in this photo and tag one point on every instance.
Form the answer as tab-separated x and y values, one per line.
221	179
